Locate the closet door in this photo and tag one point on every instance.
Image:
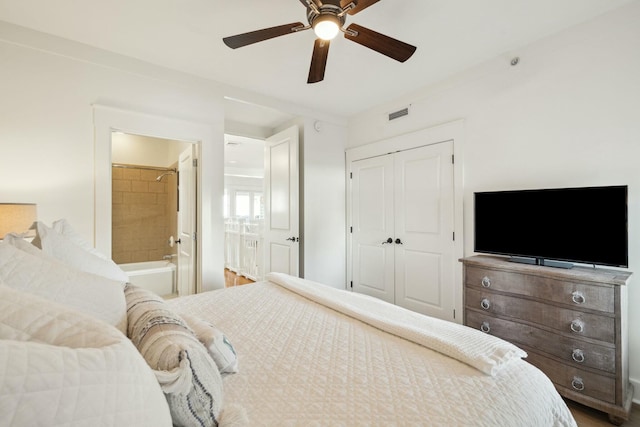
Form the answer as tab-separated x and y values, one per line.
402	243
424	224
373	227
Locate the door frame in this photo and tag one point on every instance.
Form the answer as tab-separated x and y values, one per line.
210	182
452	131
190	238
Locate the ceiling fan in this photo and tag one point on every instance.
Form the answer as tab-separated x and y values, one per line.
327	18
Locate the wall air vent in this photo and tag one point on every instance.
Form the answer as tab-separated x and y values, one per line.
399	113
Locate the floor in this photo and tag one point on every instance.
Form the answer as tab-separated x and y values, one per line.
587	417
232	279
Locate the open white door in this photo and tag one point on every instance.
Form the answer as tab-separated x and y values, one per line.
186	222
281	226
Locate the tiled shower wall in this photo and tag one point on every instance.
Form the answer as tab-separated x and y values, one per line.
144	213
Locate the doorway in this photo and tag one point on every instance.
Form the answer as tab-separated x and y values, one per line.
209	181
151	218
243	209
262	232
248	127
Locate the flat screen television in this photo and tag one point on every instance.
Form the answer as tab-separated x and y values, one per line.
582	225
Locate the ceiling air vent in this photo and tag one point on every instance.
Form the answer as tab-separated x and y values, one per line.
399	113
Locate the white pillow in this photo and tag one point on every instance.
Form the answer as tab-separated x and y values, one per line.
95	295
73	254
63	227
19	242
61	367
217	344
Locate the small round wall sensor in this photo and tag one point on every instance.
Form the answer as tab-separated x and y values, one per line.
515	61
317	126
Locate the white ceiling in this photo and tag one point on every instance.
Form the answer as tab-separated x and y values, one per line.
243	156
186	35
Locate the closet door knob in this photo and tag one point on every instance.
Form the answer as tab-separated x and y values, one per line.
389	240
398	242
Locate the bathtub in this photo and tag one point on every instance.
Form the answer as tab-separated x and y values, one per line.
157	276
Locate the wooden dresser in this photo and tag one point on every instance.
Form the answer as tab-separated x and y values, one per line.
571	322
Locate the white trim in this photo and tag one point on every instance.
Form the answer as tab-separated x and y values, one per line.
452	131
636	390
210	223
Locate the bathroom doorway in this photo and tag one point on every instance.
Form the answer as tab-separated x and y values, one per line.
148	210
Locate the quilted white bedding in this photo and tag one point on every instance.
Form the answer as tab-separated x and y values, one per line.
310	355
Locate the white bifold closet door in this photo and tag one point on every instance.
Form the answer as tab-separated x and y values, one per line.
403	220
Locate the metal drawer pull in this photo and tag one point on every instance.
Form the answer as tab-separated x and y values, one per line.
485	304
577	384
578	297
577	325
486	282
485	327
577	355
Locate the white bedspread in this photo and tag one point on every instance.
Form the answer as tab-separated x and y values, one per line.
302	363
484	352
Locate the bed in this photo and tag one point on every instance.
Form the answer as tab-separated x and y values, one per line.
313	355
81	346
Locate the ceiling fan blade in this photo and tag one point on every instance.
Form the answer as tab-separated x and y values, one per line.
360	5
245	39
395	49
318	61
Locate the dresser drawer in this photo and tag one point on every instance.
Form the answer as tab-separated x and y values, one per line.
571	322
582	295
573	352
601	387
561	319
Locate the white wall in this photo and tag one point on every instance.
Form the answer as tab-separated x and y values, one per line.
567	115
48	86
324	206
145	151
322	200
47	123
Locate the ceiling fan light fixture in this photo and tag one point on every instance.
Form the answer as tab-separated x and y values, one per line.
328	18
326	26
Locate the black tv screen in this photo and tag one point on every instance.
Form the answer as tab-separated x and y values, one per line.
584	225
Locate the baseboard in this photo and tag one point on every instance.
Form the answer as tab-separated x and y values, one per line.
636	390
